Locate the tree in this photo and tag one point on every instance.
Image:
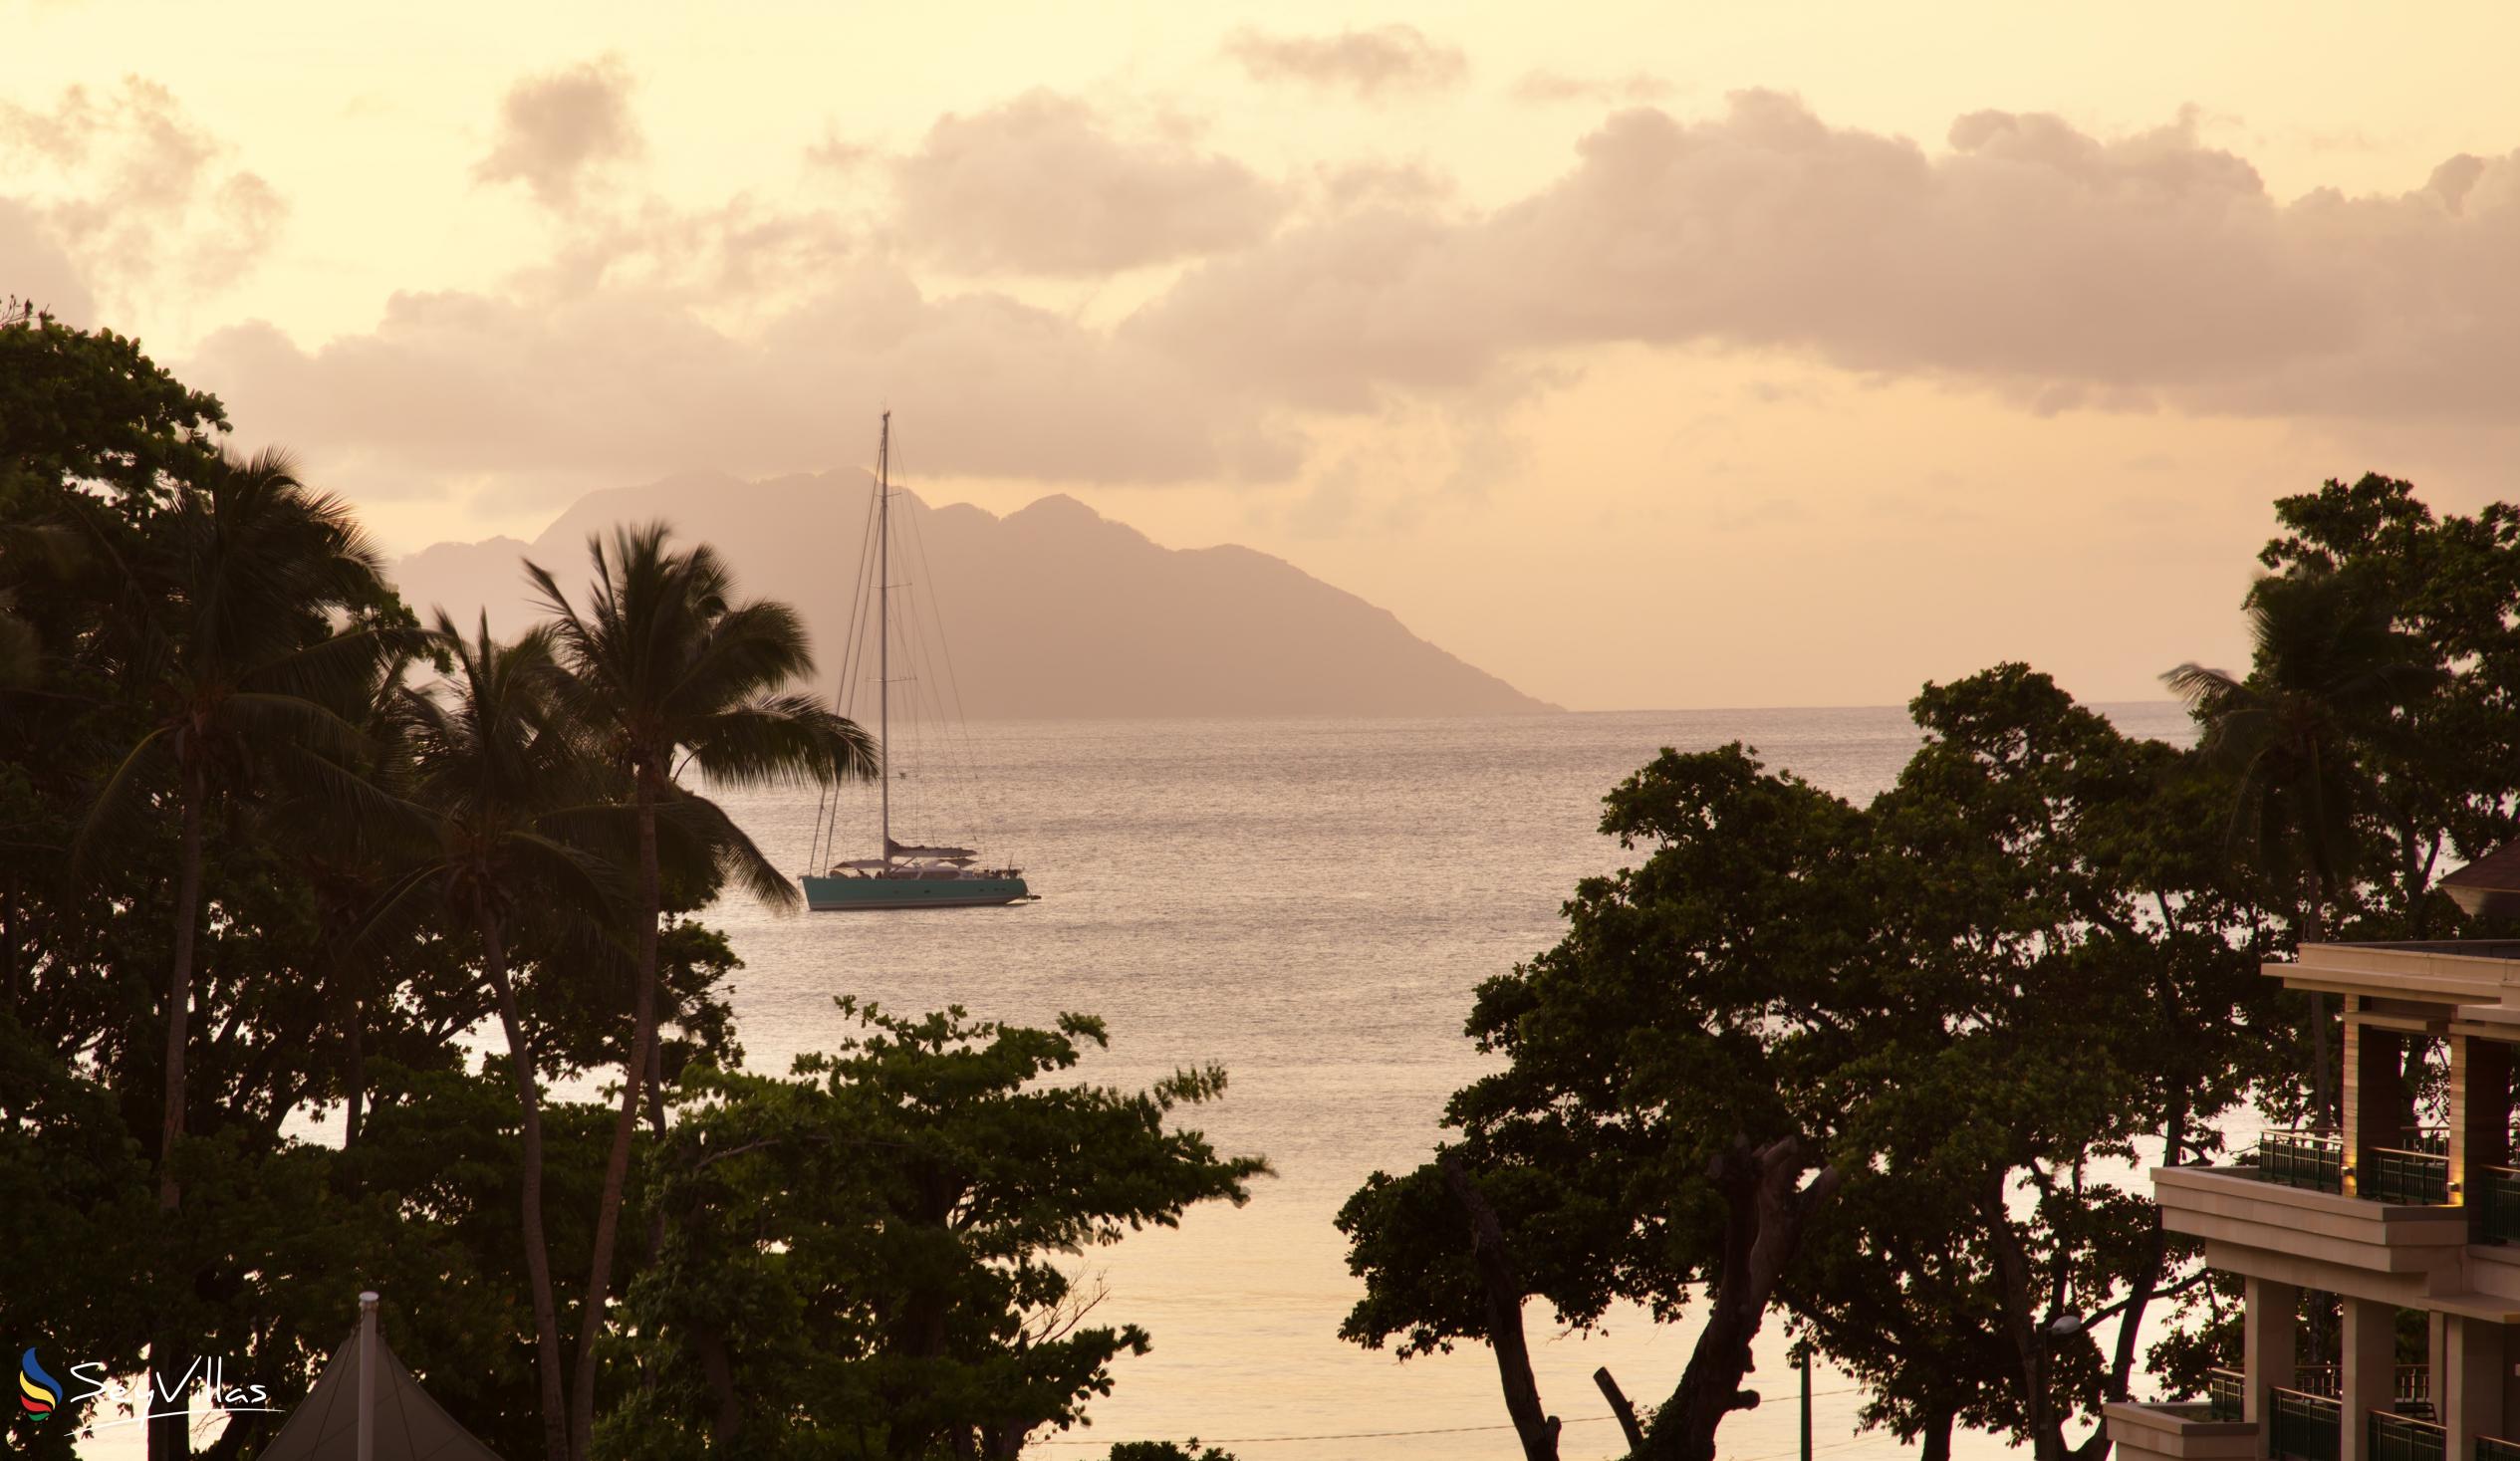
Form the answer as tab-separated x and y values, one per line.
245	575
2089	967
2443	764
495	768
1682	1070
2329	671
859	1261
665	664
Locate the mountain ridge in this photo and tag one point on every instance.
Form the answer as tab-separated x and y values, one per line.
1051	611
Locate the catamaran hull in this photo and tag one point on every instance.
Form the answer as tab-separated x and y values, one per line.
849	894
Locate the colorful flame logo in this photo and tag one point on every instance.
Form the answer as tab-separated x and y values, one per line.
37	1393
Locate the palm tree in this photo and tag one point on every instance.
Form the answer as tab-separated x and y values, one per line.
494	770
665	668
2328	669
250	571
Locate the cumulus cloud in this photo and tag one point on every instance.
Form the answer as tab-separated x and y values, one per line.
1040	185
2063	270
621	383
2068	269
132	195
1370	63
559	128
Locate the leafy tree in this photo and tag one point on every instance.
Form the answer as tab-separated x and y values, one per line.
1167	1451
2090	974
2329	671
665	665
2444	762
1682	1072
860	1260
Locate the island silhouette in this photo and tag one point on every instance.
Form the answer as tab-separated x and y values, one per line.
1052	612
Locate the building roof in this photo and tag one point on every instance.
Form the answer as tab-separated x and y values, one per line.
2489	886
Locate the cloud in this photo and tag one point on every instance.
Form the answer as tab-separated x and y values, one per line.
1040	185
2063	269
835	153
1550	87
559	128
1369	63
572	394
34	265
131	196
2060	270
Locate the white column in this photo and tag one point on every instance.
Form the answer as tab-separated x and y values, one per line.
2370	1372
2470	1387
2270	1330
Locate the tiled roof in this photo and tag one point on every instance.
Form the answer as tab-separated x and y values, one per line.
2490	884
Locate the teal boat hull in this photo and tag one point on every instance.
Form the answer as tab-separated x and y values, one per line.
846	894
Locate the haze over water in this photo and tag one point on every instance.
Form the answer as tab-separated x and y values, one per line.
1311	903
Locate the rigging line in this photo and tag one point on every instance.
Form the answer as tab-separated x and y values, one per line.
953	684
853	652
922	619
921	616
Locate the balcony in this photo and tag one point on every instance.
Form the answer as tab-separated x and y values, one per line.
2495	1448
2417	1174
2497	1195
2179	1431
2227	1395
2305	1427
2404	1438
2313	1161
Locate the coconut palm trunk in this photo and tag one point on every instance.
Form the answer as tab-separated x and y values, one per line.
625	1126
170	1435
2323	1085
179	990
547	1362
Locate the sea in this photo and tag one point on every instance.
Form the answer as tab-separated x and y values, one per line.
1309	903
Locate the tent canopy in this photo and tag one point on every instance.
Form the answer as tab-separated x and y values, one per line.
409	1426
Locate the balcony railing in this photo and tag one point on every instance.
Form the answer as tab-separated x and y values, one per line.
2227	1395
2496	1192
2312	1159
2405	1174
2304	1427
2495	1448
2404	1438
2410	1385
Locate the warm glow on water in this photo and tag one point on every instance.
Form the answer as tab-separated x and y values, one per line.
1309	903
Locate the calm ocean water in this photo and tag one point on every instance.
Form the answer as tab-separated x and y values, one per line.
1309	902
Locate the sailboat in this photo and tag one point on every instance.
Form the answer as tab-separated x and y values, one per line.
903	875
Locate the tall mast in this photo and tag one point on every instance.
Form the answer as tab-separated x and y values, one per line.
884	626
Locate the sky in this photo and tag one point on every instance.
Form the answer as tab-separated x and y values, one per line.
1647	355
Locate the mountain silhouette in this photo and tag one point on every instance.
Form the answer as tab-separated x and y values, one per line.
1052	612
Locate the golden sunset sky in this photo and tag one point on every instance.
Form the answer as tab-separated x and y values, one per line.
1645	354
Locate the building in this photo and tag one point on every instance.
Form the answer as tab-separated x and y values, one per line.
2388	1215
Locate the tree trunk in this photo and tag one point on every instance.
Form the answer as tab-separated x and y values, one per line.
170	1435
1503	1292
2021	1324
1765	1212
1937	1437
548	1361
2325	1109
607	1216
